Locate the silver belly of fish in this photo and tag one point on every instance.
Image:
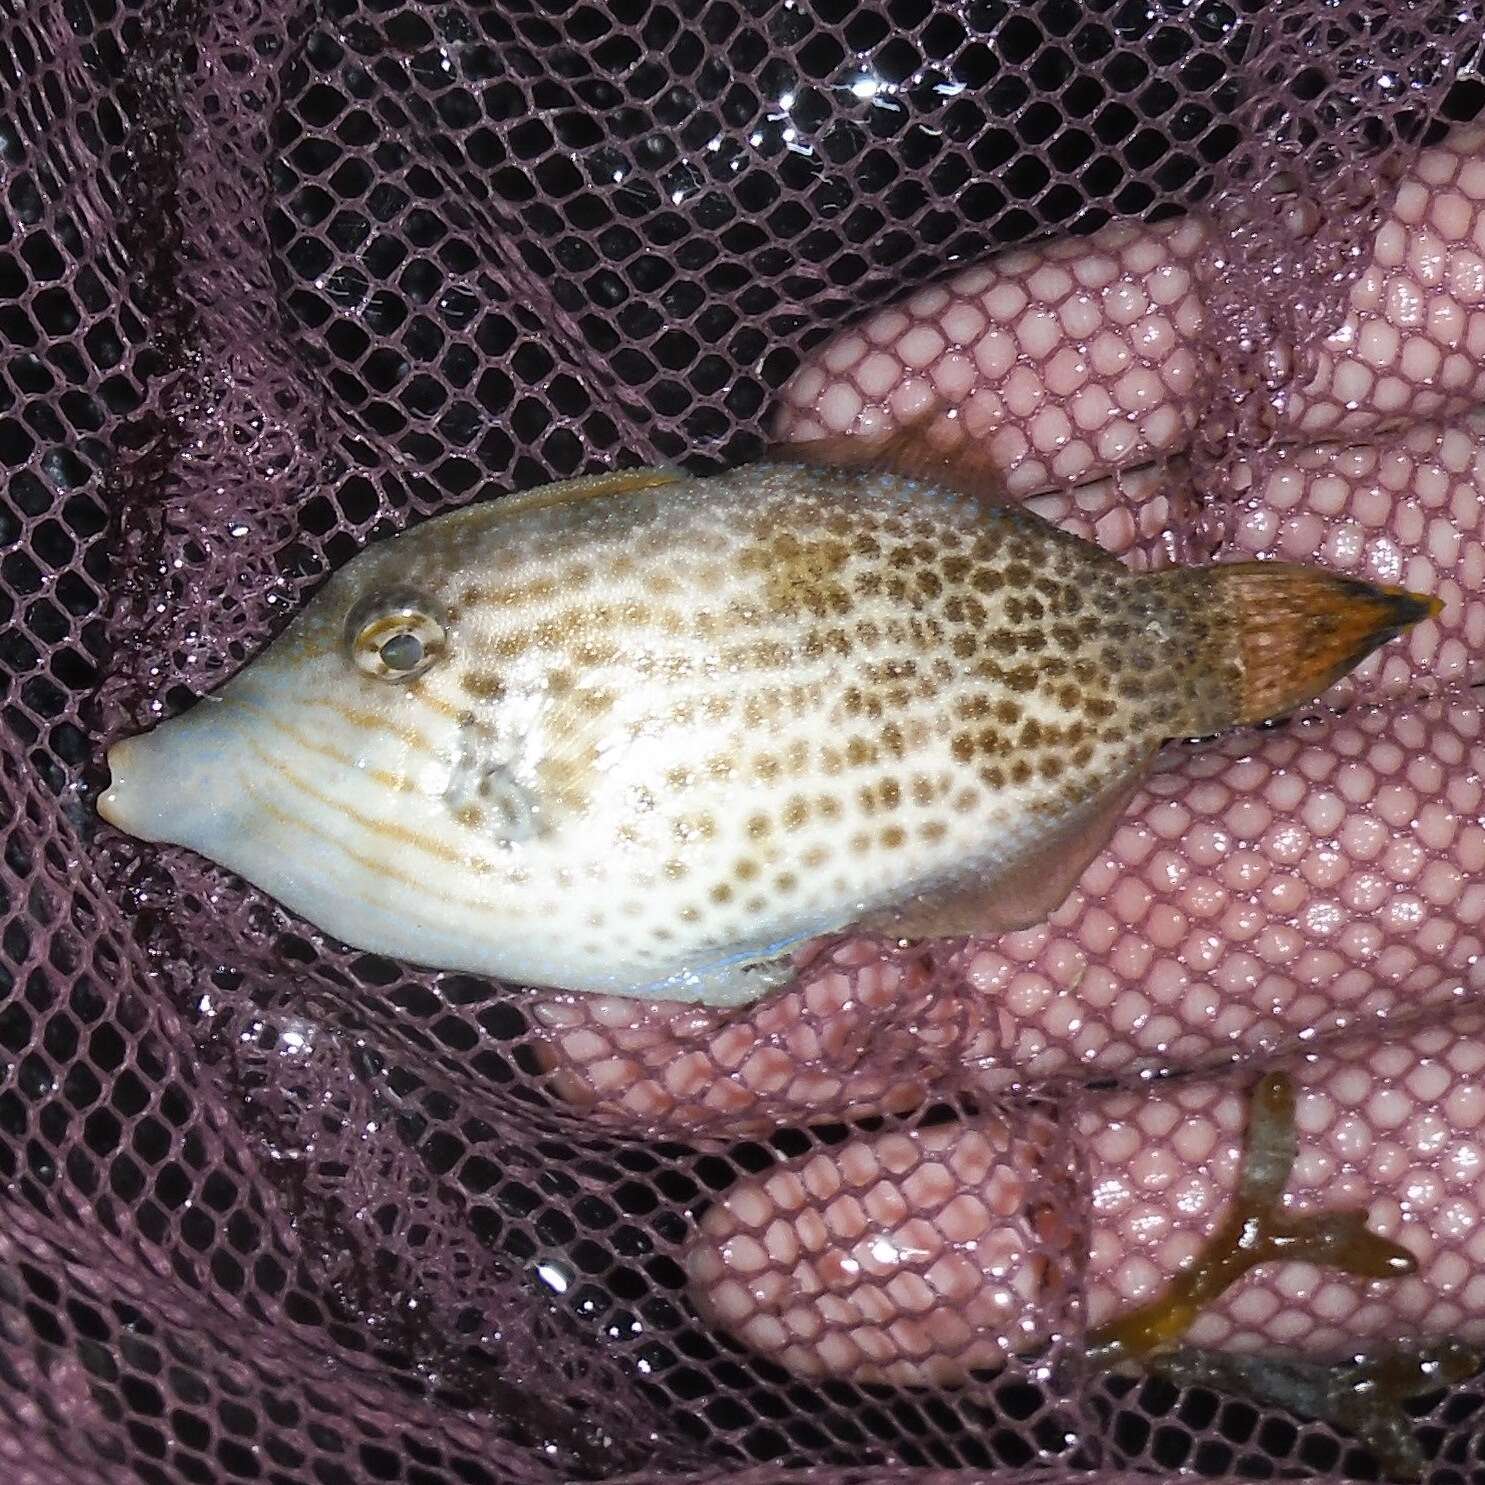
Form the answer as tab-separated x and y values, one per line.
644	734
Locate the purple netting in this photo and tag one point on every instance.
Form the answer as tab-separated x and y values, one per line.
279	280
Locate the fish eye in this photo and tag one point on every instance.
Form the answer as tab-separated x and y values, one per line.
403	652
395	637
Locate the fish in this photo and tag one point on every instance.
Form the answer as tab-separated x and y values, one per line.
651	734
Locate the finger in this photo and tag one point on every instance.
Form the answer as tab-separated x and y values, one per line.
907	1259
1069	360
864	1031
1316	879
1412	344
1081	357
919	1256
1130	515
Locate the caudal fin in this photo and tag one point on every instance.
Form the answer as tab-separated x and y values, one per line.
1298	630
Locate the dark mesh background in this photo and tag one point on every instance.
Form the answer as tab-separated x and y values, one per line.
281	278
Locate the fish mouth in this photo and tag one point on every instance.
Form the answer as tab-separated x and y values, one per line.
174	784
119	804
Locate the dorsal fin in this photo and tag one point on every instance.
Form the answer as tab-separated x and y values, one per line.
589	487
933	446
586	487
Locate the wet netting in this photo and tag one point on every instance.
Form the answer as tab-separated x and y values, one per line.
280	279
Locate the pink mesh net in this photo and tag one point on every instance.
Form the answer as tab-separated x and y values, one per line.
278	280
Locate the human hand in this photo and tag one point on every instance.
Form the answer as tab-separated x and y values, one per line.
1261	891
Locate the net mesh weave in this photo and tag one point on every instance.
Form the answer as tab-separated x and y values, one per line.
280	279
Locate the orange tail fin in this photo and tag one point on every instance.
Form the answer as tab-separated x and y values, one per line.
1298	630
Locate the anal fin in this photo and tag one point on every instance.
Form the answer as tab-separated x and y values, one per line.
1024	892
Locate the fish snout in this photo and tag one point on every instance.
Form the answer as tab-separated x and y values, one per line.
179	783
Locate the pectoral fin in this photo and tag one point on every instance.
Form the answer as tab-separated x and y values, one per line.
734	981
1024	892
484	792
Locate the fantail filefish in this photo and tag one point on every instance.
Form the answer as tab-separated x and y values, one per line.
646	734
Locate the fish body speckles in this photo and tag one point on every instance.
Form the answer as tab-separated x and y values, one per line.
645	734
